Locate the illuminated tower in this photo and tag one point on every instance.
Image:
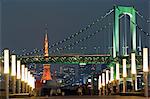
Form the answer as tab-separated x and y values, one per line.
46	72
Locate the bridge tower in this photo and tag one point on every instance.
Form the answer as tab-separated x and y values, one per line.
119	10
46	71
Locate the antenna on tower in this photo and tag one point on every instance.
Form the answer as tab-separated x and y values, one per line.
46	28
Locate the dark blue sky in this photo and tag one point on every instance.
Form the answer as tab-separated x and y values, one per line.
22	22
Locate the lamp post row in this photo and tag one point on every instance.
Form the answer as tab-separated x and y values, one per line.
22	80
104	81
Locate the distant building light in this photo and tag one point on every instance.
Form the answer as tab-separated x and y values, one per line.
82	64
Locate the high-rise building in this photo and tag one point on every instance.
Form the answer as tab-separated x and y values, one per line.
68	75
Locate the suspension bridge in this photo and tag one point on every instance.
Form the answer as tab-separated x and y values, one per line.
118	49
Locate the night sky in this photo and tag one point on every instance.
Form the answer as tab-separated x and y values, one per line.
23	23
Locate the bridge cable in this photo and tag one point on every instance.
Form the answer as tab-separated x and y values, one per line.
74	35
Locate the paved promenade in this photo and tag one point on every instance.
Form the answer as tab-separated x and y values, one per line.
87	97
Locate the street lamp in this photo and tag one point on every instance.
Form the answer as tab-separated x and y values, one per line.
117	77
28	82
103	83
18	76
26	78
111	78
13	72
6	71
99	84
107	81
133	72
145	70
124	75
23	77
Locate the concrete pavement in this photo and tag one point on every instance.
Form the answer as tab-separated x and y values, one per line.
87	97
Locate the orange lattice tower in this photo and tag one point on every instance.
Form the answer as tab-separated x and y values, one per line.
46	72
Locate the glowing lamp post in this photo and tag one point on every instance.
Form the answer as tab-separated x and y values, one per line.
145	70
133	72
6	71
117	77
103	83
145	59
26	78
112	74
13	72
23	77
6	61
124	75
117	72
107	76
111	78
13	65
107	81
99	84
18	76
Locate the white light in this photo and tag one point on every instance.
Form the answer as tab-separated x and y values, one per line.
107	76
18	69
117	71
28	78
103	79
111	73
26	74
82	64
32	82
133	64
145	59
99	82
22	72
6	61
124	68
89	80
13	65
